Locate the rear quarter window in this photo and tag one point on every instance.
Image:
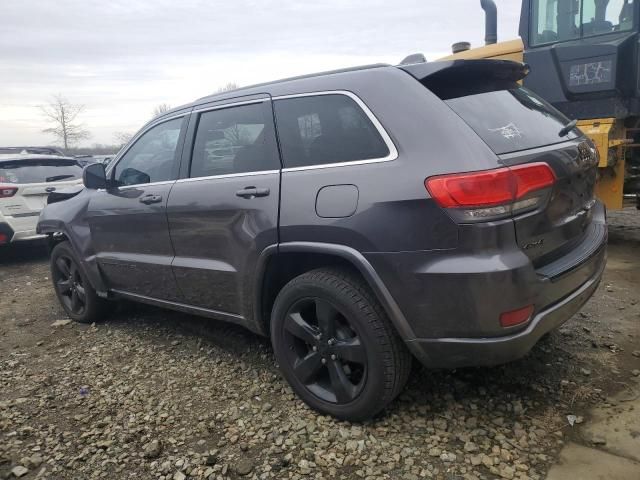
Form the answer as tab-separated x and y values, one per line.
326	129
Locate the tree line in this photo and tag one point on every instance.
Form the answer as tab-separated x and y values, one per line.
67	129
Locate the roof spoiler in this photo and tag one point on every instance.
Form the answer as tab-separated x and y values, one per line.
474	70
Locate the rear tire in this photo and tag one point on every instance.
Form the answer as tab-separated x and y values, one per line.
336	346
73	289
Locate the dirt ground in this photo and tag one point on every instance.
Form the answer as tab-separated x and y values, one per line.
156	394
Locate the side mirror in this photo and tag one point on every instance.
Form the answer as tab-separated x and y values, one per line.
94	176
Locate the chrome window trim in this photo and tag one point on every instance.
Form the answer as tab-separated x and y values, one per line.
133	141
129	187
234	104
393	151
228	175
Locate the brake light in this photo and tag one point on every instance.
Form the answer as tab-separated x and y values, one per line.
487	193
516	317
3	238
6	191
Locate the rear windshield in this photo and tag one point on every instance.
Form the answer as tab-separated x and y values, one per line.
510	119
39	171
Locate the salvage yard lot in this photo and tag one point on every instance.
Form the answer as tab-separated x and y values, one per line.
156	394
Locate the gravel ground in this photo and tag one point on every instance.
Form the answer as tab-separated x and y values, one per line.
162	395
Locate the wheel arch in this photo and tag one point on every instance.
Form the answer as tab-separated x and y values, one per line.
278	265
57	232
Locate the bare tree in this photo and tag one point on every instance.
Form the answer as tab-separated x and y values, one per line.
62	114
228	87
122	138
160	109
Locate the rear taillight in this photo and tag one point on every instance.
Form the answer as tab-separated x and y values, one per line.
6	191
4	238
492	193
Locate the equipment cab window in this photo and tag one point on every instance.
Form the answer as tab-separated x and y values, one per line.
562	20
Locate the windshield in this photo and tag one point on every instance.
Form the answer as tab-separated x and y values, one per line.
562	20
511	119
39	171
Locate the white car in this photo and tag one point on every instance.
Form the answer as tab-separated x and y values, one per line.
26	180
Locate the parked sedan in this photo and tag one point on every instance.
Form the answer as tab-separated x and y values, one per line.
25	182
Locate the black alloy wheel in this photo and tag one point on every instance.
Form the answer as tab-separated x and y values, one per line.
69	284
73	289
336	346
325	350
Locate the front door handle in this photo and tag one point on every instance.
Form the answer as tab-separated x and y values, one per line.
149	199
252	192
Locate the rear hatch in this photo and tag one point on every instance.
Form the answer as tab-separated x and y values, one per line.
523	130
25	183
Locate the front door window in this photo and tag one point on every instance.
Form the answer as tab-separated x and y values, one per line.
152	157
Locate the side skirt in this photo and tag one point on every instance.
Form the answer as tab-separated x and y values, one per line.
181	307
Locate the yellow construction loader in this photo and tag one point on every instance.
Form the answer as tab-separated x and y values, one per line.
584	57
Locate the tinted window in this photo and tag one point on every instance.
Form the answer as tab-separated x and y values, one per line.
234	140
511	120
39	171
604	17
561	20
152	158
32	150
325	129
555	20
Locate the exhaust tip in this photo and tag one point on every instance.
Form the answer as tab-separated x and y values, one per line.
460	47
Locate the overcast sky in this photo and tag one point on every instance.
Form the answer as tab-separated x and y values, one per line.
120	58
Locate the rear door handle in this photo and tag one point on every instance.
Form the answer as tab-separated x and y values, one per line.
252	192
149	199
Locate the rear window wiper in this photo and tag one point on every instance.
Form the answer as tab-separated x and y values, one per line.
55	178
567	128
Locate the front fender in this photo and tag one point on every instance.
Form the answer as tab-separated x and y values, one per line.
68	217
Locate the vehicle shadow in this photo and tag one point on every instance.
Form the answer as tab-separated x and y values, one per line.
535	376
624	225
203	331
23	253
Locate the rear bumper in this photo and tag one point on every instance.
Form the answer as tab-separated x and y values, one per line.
6	233
452	300
21	228
461	352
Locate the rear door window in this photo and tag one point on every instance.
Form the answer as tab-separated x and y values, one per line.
234	140
512	119
39	170
326	129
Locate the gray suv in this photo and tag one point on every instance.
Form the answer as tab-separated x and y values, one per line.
361	218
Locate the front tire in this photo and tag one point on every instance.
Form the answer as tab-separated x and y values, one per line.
73	289
336	346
